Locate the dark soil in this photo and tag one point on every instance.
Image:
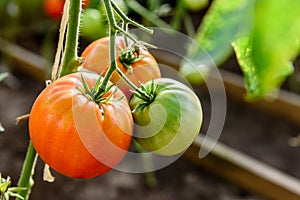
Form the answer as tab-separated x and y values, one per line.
255	133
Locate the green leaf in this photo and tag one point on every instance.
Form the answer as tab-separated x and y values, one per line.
224	21
4	186
15	195
266	55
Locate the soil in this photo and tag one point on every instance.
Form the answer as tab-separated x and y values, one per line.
258	134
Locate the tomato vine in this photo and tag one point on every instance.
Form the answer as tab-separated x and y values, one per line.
69	62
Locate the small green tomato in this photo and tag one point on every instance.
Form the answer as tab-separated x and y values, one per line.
92	24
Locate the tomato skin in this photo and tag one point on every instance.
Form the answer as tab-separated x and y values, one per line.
92	25
65	128
97	59
171	122
54	8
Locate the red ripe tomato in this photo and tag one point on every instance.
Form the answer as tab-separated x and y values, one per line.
76	136
54	8
143	66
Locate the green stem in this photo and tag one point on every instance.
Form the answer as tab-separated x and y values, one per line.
177	18
127	20
125	28
189	26
124	77
150	16
113	28
69	62
150	178
112	43
27	172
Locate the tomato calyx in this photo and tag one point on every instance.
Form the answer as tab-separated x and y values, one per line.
96	94
130	56
147	99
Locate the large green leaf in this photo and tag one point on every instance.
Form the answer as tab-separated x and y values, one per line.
224	21
265	56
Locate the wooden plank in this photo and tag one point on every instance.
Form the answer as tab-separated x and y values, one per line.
24	60
245	171
286	105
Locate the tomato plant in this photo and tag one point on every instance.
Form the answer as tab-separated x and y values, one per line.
69	123
138	65
164	122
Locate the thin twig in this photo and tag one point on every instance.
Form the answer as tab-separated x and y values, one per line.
22	118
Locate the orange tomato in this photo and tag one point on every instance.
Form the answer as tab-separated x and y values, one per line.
76	136
143	69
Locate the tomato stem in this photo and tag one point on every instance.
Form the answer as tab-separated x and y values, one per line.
26	180
146	14
69	62
127	20
113	29
112	43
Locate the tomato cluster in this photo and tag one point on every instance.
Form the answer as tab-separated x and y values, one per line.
82	131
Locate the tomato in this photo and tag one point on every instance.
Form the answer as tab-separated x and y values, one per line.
169	122
195	5
76	136
54	8
92	25
143	66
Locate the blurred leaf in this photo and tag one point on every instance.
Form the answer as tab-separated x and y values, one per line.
3	76
265	57
224	21
1	128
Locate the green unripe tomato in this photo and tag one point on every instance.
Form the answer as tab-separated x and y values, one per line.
92	25
169	124
195	5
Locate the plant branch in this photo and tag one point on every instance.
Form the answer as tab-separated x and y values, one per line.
143	93
69	62
26	180
150	16
129	21
113	28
